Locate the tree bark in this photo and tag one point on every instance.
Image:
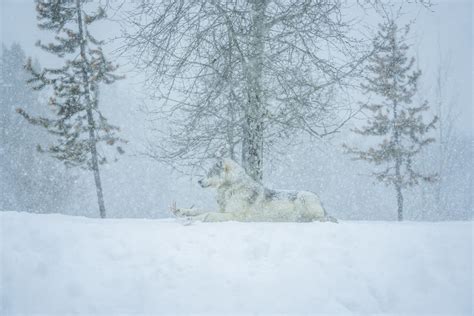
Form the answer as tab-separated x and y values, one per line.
253	129
399	202
398	164
90	117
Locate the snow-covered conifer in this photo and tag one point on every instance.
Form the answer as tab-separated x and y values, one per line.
394	121
77	122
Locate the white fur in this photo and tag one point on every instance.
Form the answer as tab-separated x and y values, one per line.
240	198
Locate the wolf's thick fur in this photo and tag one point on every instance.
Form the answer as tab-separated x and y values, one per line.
240	198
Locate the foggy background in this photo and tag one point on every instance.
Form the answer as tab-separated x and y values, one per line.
136	186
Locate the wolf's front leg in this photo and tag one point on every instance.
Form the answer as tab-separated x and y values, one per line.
219	217
183	212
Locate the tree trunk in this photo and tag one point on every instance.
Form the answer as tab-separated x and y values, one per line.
90	117
252	146
95	163
252	143
399	202
398	177
230	132
398	163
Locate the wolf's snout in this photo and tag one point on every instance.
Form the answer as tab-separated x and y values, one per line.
200	182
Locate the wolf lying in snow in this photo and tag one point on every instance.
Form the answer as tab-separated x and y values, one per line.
240	198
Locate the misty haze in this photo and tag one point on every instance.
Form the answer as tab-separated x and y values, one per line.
236	157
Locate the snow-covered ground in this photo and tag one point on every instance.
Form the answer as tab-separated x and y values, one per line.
60	264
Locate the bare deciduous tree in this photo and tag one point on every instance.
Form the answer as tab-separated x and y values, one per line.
242	75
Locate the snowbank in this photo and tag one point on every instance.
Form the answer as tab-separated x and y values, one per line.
58	264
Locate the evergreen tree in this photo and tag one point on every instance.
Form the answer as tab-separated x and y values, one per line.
29	181
395	120
77	122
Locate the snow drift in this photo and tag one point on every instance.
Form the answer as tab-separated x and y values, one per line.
60	264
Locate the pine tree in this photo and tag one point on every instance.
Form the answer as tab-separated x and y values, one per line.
395	121
78	123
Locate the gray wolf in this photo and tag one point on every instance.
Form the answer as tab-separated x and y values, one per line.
240	198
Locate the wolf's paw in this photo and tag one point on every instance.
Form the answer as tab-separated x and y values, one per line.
183	212
179	212
175	211
186	212
186	221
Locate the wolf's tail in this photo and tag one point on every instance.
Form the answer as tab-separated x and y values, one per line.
327	217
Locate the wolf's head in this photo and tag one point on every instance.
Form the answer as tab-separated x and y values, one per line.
224	171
